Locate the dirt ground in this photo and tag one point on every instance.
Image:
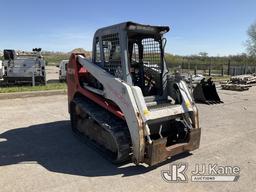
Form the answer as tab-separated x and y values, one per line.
38	151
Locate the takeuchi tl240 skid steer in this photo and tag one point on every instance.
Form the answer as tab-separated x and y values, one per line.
124	102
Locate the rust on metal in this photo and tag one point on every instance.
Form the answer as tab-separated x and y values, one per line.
158	152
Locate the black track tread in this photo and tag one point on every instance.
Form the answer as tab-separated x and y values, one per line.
113	125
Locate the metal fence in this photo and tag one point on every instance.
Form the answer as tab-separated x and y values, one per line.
241	70
213	69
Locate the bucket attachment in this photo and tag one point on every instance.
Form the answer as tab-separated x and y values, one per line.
205	92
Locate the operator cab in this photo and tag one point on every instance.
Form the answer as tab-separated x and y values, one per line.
133	53
146	63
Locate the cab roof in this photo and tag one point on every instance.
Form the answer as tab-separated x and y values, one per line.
132	27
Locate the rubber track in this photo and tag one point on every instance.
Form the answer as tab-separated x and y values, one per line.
116	127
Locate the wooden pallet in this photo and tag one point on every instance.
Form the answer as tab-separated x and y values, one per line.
235	87
243	79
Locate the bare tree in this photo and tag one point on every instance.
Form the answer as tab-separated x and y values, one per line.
251	42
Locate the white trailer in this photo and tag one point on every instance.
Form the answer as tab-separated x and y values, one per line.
24	67
63	70
1	70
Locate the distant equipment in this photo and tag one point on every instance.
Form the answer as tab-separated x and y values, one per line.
194	79
205	92
23	67
63	70
1	70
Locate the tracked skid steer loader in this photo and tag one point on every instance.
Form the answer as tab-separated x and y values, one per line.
124	102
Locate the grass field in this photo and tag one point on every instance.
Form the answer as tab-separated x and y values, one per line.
57	86
55	59
50	86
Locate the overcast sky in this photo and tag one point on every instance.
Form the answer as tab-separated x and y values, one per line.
217	27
